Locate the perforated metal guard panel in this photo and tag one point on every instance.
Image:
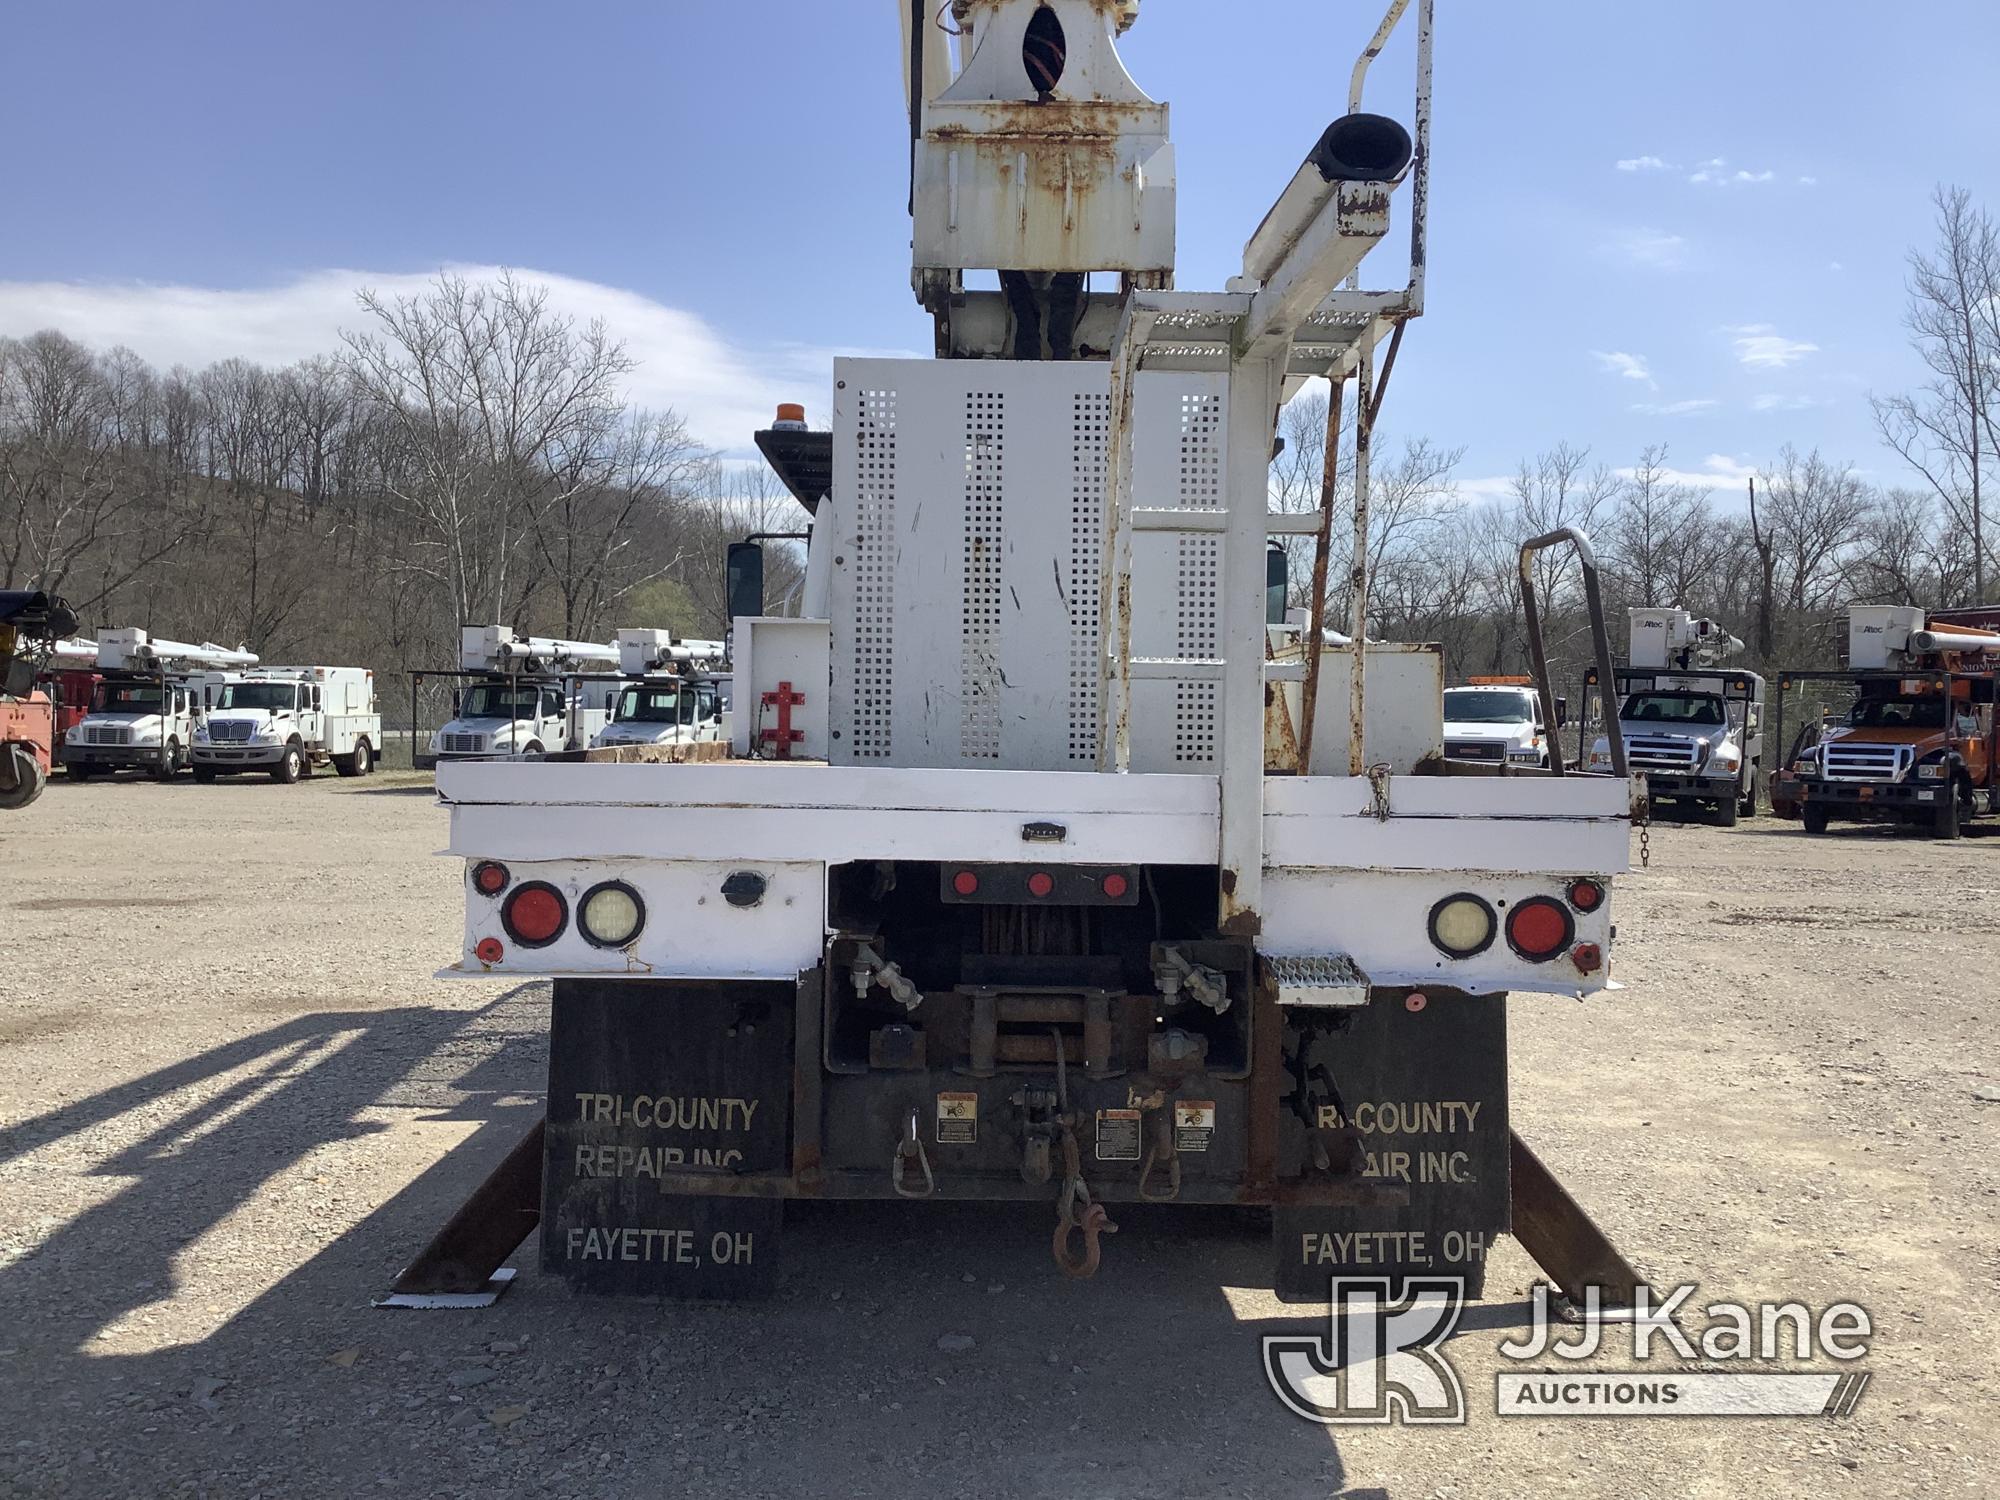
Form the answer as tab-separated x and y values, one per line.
872	640
1090	436
969	506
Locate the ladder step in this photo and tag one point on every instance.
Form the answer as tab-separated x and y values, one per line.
1189	518
1292	523
1176	669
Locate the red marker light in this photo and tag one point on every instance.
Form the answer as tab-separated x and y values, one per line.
1115	886
490	950
1041	883
490	877
1587	957
966	883
1586	895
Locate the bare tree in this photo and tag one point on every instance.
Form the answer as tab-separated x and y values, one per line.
1946	430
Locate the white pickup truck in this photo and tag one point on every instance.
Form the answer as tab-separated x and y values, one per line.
1498	722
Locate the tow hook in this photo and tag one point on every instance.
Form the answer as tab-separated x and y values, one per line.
911	1149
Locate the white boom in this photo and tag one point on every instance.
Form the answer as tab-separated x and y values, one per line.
1672	638
643	651
495	648
134	650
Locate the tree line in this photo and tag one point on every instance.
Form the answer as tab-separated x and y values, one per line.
465	455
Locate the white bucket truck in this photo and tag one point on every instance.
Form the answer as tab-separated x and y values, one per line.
997	894
286	721
145	711
1693	727
667	699
523	695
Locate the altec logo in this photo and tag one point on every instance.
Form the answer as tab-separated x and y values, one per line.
1382	1359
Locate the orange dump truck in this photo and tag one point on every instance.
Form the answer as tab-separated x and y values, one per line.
29	621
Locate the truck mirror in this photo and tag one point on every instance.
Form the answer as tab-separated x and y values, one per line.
1277	584
744	579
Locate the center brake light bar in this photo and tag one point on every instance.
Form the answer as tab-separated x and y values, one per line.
1038	885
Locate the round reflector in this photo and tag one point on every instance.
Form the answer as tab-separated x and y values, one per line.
1115	886
1539	928
610	915
489	950
966	883
490	877
1586	895
535	914
1041	883
1462	926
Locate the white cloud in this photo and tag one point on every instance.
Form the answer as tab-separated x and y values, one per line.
1644	164
1625	366
726	391
1716	173
1674	408
1771	401
1759	346
1652	248
1834	265
1808	182
1489	487
1718	471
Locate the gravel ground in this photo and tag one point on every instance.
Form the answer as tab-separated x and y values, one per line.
233	1101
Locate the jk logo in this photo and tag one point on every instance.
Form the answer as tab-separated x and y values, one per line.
1379	1361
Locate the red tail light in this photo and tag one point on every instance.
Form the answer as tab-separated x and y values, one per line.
535	915
1539	928
489	950
1041	883
490	877
966	883
1115	886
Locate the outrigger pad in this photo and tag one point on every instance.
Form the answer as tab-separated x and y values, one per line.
1418	1099
651	1079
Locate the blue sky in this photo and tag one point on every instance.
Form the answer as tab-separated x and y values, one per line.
725	183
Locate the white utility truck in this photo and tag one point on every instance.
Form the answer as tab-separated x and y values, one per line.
147	706
1693	728
665	697
997	899
525	695
1499	720
287	720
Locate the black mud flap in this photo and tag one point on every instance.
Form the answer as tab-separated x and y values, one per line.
1413	1099
651	1078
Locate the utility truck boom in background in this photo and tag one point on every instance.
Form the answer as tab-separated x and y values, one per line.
1693	729
525	695
1919	742
147	705
286	721
1033	922
668	693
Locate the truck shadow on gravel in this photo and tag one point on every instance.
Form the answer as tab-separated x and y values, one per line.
909	1347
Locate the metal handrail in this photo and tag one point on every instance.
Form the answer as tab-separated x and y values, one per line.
1599	635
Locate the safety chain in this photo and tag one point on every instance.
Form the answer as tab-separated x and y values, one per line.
1645	821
